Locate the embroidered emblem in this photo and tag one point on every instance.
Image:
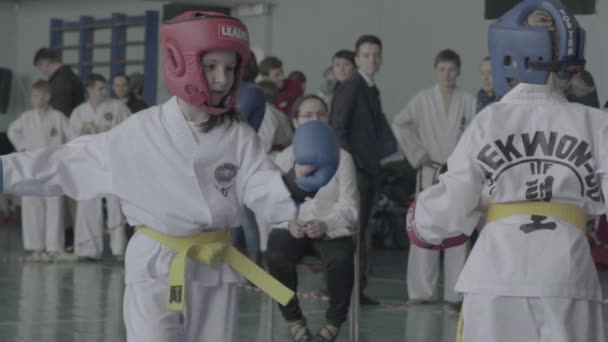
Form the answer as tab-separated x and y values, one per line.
224	174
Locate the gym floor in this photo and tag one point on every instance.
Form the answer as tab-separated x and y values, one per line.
71	302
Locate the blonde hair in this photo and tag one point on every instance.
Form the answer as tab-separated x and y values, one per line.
581	84
42	86
555	84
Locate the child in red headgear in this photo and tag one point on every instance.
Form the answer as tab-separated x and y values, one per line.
182	171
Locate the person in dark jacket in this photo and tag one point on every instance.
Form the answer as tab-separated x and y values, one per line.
67	90
120	85
356	118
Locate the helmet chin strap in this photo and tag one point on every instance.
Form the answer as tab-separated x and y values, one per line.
557	66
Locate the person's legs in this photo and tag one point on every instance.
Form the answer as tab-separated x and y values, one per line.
88	230
146	316
54	225
506	319
32	221
565	320
71	206
252	235
116	226
498	319
337	257
213	314
422	274
283	254
453	262
238	239
367	190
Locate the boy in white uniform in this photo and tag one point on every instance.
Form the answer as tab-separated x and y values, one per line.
98	114
427	129
540	164
42	217
182	171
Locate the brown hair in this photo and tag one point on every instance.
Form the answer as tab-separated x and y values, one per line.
367	38
269	63
345	54
295	109
251	69
120	74
447	55
95	78
297	75
217	120
46	54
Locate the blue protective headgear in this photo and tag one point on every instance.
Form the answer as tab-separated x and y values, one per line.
537	51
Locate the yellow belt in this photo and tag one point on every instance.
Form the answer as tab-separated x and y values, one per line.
212	248
565	212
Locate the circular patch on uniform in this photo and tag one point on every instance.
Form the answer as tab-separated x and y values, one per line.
225	173
108	116
54	131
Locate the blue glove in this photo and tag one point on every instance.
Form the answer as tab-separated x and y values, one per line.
252	104
314	143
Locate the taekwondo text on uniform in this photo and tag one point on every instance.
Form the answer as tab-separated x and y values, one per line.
565	150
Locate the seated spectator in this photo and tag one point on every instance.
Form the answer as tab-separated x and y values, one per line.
325	226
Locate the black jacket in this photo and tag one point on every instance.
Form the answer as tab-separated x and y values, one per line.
67	90
356	117
135	104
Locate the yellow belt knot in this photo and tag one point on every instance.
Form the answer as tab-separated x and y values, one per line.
211	253
212	248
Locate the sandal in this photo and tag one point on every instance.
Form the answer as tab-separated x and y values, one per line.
299	331
328	333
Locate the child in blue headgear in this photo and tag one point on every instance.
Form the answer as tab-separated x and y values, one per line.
535	163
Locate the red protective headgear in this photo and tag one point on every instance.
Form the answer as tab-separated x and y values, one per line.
185	39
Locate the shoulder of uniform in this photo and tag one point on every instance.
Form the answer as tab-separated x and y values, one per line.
79	107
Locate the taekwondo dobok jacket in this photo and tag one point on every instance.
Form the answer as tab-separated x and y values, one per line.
31	131
423	126
164	179
533	145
